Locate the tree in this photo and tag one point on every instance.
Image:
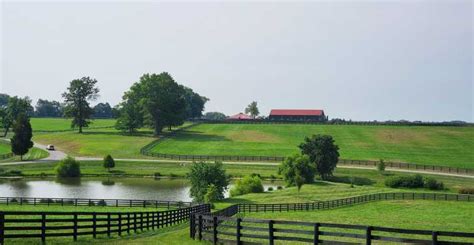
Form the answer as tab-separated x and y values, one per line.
77	97
297	165
130	117
21	140
212	194
194	103
4	100
15	107
252	109
103	110
68	167
109	162
299	181
46	108
321	151
381	166
249	184
202	175
215	116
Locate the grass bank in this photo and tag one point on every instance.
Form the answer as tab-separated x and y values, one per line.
58	124
443	146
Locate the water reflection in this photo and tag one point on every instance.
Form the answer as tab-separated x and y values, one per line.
100	188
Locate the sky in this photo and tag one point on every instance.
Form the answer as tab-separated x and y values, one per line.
359	60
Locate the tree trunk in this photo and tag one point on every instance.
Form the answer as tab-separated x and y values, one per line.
170	128
21	157
6	131
80	129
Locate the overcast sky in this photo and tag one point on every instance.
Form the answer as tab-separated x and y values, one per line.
360	60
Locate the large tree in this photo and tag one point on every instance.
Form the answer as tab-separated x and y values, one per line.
76	99
321	151
194	103
21	140
14	108
46	108
252	109
203	175
214	115
130	114
297	166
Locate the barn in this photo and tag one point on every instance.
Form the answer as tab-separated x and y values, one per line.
297	115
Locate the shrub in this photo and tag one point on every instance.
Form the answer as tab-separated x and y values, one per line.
157	174
381	165
279	187
272	176
102	203
270	188
433	184
297	165
212	194
412	181
68	167
249	184
466	190
109	162
13	200
173	175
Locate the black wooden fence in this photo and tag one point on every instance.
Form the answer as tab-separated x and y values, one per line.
221	229
93	202
73	224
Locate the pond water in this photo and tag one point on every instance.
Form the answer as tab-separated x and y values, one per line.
104	188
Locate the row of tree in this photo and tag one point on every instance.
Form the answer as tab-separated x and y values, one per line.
52	108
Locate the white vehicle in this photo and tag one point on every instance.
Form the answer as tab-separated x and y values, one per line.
50	147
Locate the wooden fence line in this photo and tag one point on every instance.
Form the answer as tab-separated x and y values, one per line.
27	224
220	229
93	202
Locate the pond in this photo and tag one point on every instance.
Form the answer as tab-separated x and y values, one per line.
104	188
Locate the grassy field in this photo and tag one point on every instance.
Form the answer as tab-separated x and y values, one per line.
33	154
4	148
446	146
53	124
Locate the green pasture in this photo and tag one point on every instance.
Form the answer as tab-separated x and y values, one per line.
33	154
444	146
409	214
58	124
4	148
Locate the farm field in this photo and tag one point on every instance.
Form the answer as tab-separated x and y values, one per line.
443	146
419	214
58	124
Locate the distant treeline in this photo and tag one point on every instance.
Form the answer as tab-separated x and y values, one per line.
52	108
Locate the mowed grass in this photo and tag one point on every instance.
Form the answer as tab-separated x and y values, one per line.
53	124
33	154
444	146
409	214
4	148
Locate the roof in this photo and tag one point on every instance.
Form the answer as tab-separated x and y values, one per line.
297	112
240	116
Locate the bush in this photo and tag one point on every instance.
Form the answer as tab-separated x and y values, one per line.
157	174
270	188
212	194
279	187
102	203
412	181
249	184
381	166
297	165
68	167
466	190
173	175
433	184
109	162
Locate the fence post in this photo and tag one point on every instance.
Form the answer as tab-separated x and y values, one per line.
128	223
214	230
200	227
238	234
434	236
192	225
94	225
2	227
316	233
271	237
108	224
368	235
75	227
120	224
43	228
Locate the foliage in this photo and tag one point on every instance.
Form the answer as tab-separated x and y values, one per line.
4	100
194	103
270	188
102	110
68	167
21	140
130	114
109	162
297	165
323	152
248	184
76	99
466	190
46	108
381	165
215	116
414	181
202	175
299	181
212	194
252	109
14	108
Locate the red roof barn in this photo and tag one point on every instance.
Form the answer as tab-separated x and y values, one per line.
297	115
240	116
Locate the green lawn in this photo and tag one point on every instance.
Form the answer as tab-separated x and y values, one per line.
52	124
33	154
4	148
445	146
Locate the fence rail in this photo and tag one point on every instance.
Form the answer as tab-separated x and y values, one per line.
220	229
73	224
93	202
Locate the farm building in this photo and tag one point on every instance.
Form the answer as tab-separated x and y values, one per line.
297	115
240	116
